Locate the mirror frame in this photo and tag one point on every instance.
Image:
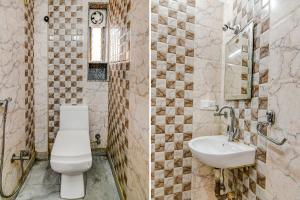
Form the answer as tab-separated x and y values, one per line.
249	28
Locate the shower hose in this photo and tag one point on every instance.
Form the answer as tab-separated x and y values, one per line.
4	103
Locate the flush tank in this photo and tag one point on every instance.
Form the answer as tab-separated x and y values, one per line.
74	117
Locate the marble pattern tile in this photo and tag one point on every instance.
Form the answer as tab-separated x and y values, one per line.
97	99
273	83
209	13
207	86
284	93
202	182
16	81
139	114
40	77
128	139
208	41
280	9
44	183
95	93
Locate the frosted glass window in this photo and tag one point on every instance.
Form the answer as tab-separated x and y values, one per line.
96	45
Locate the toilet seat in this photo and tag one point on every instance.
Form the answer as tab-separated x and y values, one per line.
71	143
71	152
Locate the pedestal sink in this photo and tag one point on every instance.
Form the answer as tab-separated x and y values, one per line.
218	152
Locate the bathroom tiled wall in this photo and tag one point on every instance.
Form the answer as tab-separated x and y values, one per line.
65	58
250	182
138	171
128	140
283	175
29	77
16	81
95	92
172	67
67	68
118	119
274	87
207	86
40	79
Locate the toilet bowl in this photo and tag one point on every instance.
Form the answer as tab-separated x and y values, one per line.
71	153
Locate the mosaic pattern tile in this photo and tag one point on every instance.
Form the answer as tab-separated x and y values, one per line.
65	58
118	96
250	183
41	79
29	77
172	51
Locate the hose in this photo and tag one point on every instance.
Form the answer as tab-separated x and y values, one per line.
18	187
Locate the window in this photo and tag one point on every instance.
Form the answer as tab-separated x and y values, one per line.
96	45
115	45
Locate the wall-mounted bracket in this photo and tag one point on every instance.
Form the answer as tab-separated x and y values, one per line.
270	121
270	117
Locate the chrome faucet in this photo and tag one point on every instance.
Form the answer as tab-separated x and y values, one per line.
231	130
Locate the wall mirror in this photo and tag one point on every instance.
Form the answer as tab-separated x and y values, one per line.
238	65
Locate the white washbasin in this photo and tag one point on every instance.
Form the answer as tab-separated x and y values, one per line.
218	152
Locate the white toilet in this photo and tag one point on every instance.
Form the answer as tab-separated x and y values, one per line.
71	153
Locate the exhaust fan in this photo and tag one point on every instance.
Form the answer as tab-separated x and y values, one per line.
97	18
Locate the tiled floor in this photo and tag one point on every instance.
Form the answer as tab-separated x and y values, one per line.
43	183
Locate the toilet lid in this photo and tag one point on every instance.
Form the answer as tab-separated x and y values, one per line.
71	144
